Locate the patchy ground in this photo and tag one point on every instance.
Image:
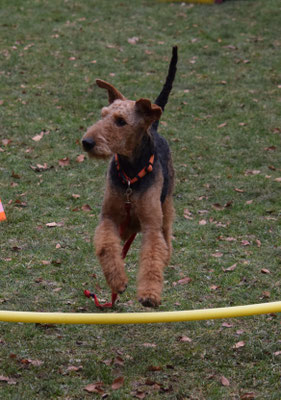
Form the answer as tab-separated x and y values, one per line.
223	125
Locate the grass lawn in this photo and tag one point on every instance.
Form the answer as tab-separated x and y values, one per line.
223	123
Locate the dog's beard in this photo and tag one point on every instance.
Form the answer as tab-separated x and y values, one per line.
100	151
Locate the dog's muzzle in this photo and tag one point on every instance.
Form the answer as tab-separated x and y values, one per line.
88	144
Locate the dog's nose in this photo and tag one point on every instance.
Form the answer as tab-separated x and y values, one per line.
88	144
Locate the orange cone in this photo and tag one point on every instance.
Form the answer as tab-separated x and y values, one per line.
2	213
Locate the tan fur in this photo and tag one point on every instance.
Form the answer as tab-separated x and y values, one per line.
148	215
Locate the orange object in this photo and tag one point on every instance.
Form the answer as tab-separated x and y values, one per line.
140	175
2	213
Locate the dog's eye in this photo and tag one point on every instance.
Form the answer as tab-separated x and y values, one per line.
119	121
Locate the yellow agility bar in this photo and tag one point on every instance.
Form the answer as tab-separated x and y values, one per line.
139	318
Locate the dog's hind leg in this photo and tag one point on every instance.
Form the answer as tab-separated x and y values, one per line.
168	218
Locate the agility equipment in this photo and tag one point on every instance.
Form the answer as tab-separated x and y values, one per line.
2	212
142	317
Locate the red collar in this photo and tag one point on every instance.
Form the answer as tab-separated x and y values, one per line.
139	175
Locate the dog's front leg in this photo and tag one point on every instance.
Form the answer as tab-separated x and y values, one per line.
108	250
154	254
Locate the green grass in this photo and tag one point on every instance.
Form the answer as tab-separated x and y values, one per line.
223	125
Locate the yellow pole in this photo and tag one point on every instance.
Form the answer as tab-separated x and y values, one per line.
139	318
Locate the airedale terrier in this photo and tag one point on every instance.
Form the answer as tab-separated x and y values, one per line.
139	188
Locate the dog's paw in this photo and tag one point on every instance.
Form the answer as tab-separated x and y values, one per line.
118	286
123	289
151	301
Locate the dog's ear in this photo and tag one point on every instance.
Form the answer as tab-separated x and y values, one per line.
150	111
113	93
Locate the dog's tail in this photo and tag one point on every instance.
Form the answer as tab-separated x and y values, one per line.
162	99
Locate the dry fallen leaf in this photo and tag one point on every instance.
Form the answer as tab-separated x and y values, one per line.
35	363
118	361
266	294
133	40
238	345
40	167
8	380
64	162
51	224
38	137
108	361
80	158
94	388
202	212
217	206
252	172
117	383
265	271
214	287
227	325
270	148
187	214
151	382
184	339
227	239
6	142
218	254
224	381
15	176
272	168
154	368
139	394
86	208
182	281
230	269
248	396
20	203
